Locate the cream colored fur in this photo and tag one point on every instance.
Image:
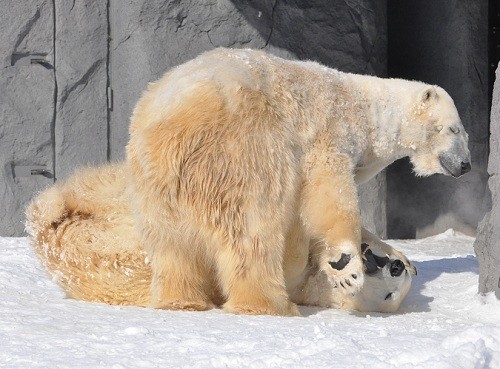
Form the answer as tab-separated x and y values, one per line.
83	232
238	159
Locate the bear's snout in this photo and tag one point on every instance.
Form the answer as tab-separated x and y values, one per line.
465	167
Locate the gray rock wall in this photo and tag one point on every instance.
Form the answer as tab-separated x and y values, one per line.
81	117
487	245
63	62
26	105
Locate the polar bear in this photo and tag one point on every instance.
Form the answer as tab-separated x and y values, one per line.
238	159
83	232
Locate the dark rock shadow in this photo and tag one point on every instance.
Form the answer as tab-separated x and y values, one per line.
346	35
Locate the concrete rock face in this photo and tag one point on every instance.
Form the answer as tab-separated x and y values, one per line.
487	245
81	44
348	35
74	109
26	105
72	71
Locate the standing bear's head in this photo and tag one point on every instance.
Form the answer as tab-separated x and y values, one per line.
434	135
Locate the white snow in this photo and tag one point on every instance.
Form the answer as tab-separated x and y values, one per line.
443	323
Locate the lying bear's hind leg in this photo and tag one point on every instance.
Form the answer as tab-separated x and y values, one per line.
180	280
251	275
330	211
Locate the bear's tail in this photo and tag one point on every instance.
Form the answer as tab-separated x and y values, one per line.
83	232
45	211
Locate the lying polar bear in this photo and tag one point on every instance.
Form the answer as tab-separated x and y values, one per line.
83	232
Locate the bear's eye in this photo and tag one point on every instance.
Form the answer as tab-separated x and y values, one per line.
455	130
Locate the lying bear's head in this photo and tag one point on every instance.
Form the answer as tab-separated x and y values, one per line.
434	135
387	282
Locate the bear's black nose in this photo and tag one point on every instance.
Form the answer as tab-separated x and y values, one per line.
465	167
397	267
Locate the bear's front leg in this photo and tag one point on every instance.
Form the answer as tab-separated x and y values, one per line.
331	213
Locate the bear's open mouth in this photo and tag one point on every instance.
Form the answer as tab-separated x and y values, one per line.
372	261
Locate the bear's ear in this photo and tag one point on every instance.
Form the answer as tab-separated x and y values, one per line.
428	94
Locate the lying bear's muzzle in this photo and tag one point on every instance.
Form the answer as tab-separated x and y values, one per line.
397	268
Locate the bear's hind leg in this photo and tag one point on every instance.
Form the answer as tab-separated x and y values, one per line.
251	276
180	278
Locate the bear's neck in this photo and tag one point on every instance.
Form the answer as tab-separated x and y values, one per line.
388	103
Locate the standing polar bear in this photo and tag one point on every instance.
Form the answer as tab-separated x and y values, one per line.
239	159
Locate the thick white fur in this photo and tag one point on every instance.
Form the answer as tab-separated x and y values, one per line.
238	160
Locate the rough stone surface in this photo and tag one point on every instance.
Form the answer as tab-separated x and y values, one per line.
348	35
81	124
26	105
443	43
487	245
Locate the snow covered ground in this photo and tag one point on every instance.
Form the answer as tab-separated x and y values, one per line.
443	323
